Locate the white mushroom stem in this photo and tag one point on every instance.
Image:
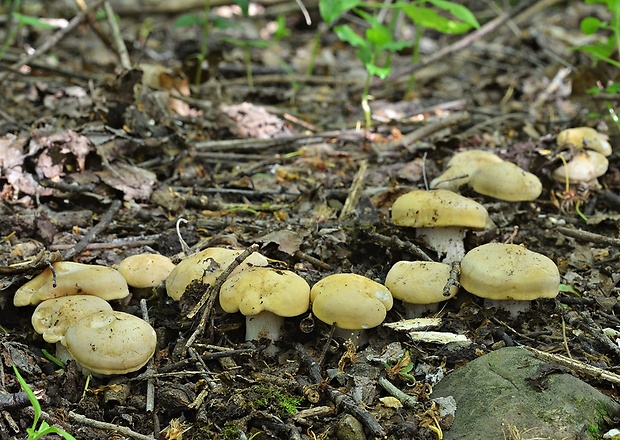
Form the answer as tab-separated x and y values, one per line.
264	325
513	306
413	311
444	241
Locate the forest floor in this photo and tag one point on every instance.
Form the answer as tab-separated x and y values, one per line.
100	163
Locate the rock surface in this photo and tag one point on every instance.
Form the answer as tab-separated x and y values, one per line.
503	392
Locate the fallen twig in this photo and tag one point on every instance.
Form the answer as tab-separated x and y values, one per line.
588	236
83	420
406	399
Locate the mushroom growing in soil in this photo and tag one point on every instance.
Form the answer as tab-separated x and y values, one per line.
460	167
205	267
72	279
144	272
584	167
585	137
509	275
505	181
441	218
420	285
110	342
265	296
352	303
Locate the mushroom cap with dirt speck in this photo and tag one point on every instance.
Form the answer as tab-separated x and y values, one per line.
205	266
110	343
585	137
51	318
72	279
419	282
584	167
505	181
460	167
501	271
145	270
258	289
438	208
351	301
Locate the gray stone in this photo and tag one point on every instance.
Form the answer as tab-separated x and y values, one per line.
349	428
494	398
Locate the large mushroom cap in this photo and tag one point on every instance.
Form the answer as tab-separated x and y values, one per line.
436	209
508	271
351	301
72	279
51	318
259	289
419	282
145	270
584	167
111	342
585	137
461	167
505	181
206	266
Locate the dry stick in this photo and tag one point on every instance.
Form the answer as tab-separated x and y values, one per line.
129	242
588	236
83	420
397	242
150	387
575	365
210	295
355	192
55	38
406	399
423	132
338	398
117	36
103	223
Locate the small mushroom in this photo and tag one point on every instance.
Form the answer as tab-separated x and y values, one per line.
461	167
509	274
206	266
144	272
351	302
51	318
505	181
265	296
420	285
72	279
585	137
441	218
108	343
584	167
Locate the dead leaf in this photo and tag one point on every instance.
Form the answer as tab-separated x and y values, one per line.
287	241
135	182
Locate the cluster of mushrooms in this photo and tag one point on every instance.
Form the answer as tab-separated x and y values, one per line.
72	302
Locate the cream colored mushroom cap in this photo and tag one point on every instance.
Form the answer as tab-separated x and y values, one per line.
51	318
206	266
258	289
584	167
585	137
72	279
438	208
505	181
351	301
419	282
508	271
460	167
111	342
145	270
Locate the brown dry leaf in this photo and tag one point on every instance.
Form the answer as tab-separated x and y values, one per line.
11	160
287	241
59	150
247	120
135	182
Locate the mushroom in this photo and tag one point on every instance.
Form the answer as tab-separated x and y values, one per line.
510	275
585	137
461	167
351	302
265	296
206	266
441	218
110	342
584	167
144	272
505	181
51	318
72	279
420	285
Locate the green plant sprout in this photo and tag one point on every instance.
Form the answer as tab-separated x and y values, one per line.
603	51
38	430
375	47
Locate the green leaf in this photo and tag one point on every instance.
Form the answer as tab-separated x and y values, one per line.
28	20
381	72
348	35
33	399
224	23
458	11
379	35
187	20
244	5
331	10
568	289
429	18
591	25
281	31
